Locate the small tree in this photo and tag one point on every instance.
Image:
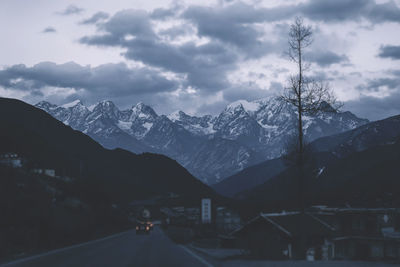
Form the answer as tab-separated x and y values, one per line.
307	95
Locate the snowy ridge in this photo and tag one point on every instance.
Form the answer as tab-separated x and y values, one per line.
210	147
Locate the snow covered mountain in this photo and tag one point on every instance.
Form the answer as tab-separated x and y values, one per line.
210	147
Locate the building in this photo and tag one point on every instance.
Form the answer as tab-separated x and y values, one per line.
325	233
286	235
364	233
227	220
11	160
182	216
47	172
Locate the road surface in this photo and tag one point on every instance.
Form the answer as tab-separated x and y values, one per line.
129	249
125	249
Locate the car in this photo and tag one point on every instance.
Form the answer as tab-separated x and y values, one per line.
142	228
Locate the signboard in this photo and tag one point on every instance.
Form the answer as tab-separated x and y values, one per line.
206	210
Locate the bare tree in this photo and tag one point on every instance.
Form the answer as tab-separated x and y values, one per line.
308	96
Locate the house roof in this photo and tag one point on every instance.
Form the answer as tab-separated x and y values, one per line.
291	224
322	209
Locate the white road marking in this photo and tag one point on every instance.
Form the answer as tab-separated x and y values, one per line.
62	249
206	263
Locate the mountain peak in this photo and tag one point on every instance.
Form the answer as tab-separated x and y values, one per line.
47	106
176	115
143	110
243	104
43	103
107	108
105	103
326	107
140	106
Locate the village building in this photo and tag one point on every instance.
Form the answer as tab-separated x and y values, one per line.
326	233
227	220
364	233
286	235
47	172
11	160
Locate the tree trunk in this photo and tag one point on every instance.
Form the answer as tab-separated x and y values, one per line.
302	243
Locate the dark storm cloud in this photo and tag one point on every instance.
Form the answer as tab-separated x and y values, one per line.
212	108
114	80
49	30
390	51
375	108
325	58
205	65
390	83
340	10
99	16
71	10
246	92
163	13
177	31
166	13
233	25
329	11
234	33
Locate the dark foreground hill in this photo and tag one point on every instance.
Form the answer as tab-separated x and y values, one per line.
124	176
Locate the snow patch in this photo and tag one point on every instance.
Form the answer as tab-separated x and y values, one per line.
91	108
124	125
148	126
320	171
71	104
142	115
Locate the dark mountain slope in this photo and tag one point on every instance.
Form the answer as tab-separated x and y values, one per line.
124	176
250	177
212	158
340	145
369	135
367	178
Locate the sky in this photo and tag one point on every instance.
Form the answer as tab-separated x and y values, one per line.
197	56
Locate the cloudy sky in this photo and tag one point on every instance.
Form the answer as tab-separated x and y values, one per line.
196	56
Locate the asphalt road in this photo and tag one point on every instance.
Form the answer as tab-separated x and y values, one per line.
125	249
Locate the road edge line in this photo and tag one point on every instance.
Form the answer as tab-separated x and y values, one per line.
62	249
194	255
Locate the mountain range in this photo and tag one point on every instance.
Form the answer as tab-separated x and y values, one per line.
210	147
